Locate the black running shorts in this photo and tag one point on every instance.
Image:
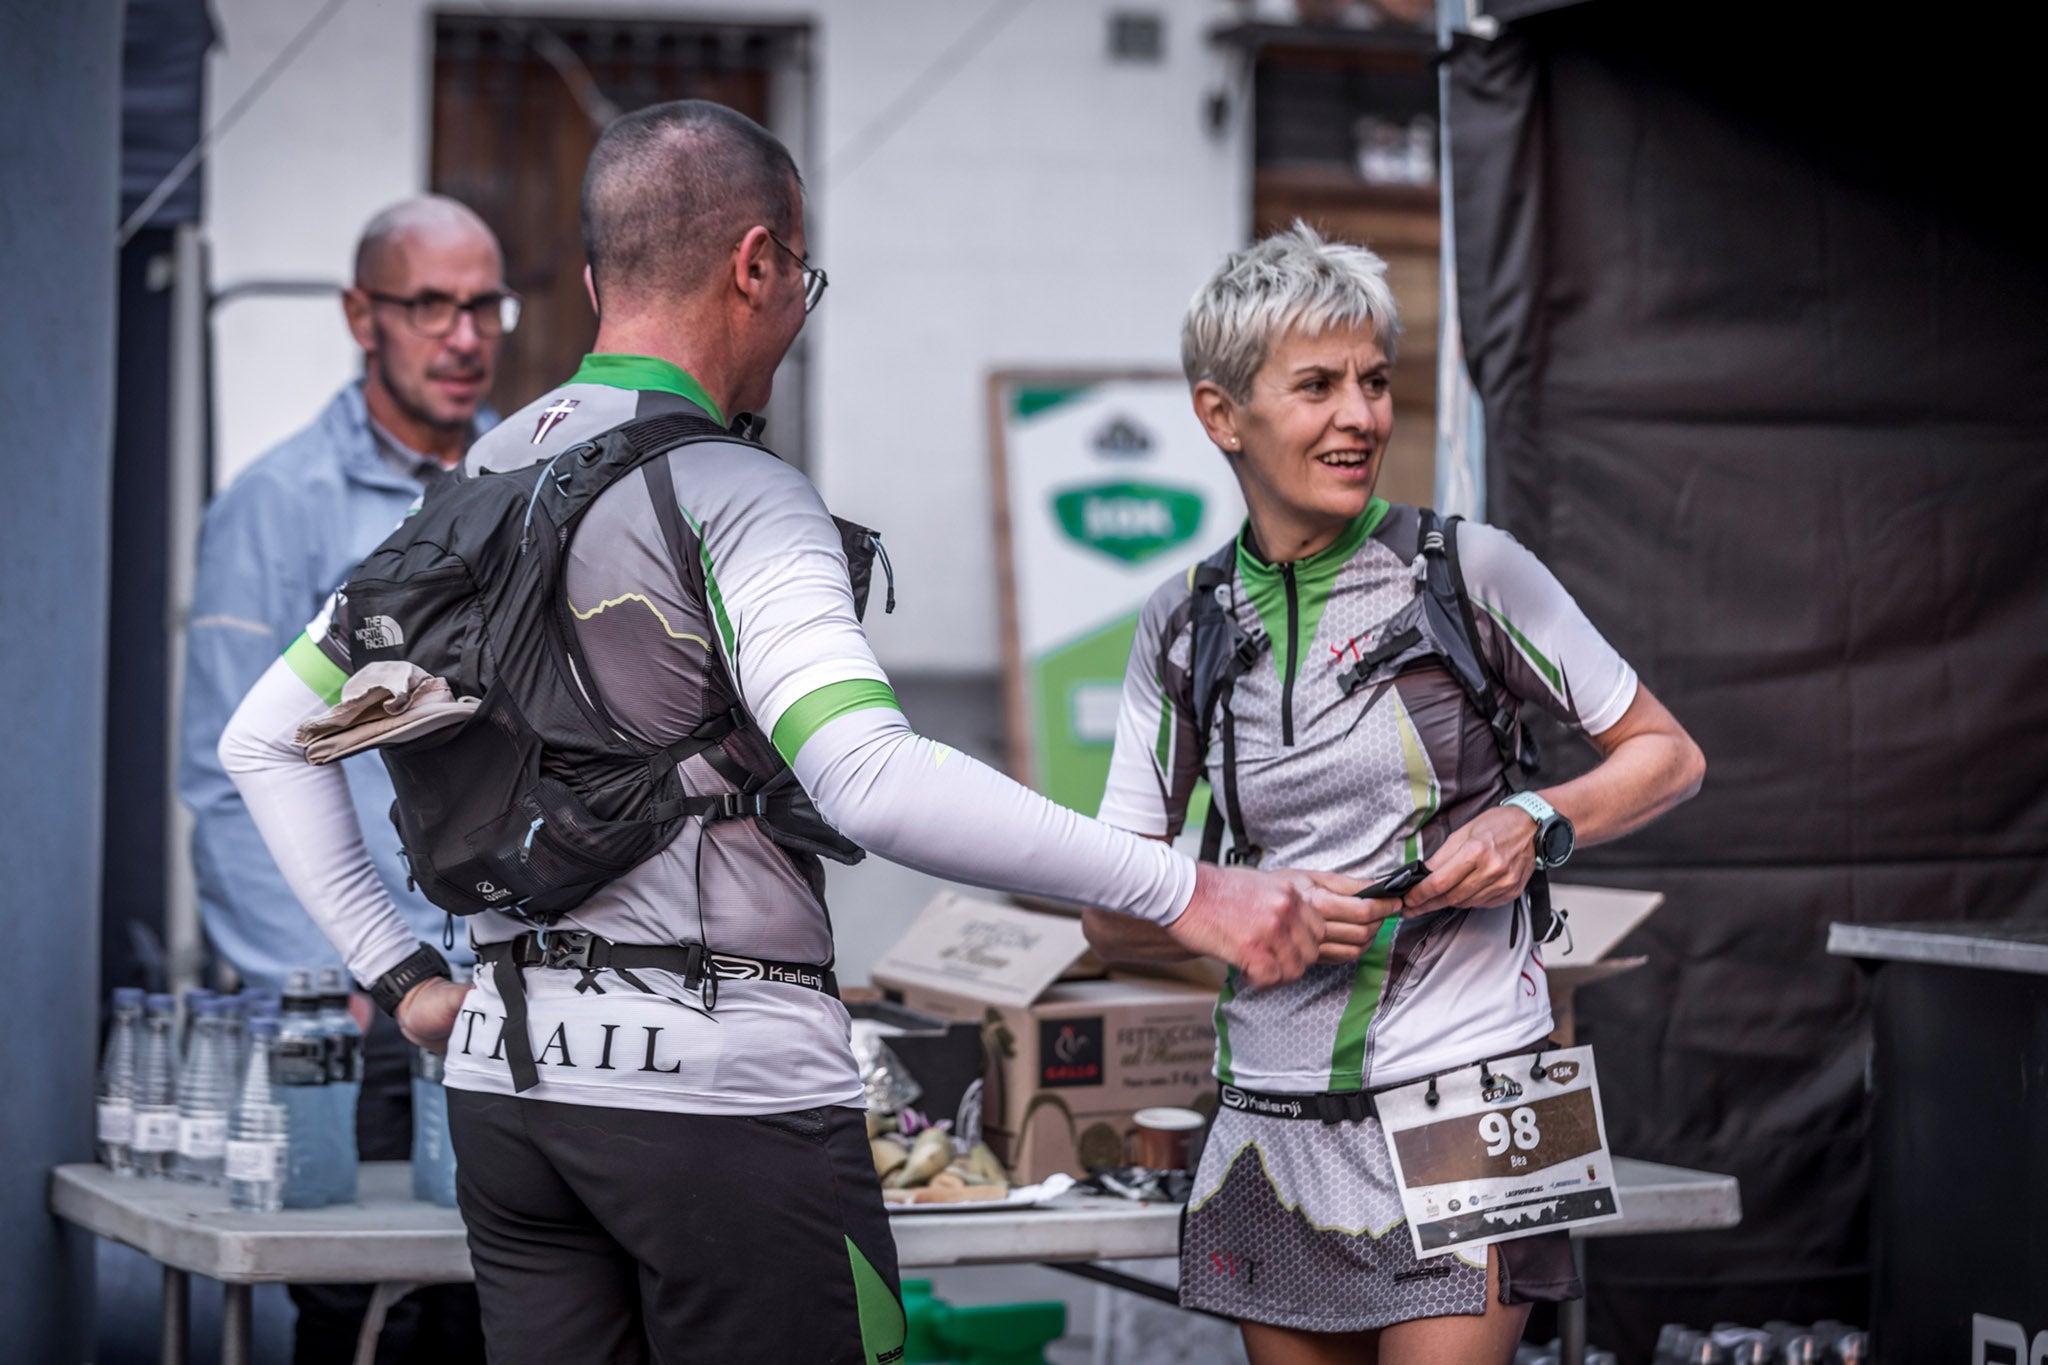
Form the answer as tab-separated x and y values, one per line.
634	1238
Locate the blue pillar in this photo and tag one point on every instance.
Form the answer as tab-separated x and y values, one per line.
59	151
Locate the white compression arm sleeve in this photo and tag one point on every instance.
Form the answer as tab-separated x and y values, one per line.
309	824
934	809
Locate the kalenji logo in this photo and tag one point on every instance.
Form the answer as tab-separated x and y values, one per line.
379	632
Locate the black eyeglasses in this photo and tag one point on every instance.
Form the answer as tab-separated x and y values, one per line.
814	278
432	313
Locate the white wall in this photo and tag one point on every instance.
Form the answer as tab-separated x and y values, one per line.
1045	206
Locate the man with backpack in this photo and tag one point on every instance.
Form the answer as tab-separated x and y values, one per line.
677	714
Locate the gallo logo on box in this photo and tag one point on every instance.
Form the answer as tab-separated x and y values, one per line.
1070	1051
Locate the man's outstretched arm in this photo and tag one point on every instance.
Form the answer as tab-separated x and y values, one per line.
929	807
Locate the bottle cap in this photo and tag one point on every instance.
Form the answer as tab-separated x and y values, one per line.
162	1004
299	981
128	997
332	982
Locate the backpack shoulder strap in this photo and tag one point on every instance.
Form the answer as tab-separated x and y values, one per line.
1523	758
791	818
1519	754
1212	643
1457	629
1221	652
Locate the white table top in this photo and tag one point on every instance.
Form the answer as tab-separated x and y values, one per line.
1997	945
390	1236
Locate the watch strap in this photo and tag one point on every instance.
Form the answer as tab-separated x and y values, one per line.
391	988
1537	808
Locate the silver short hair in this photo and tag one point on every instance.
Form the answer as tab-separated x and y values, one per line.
1295	280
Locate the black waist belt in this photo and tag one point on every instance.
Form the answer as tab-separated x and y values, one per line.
1349	1106
579	950
1331	1106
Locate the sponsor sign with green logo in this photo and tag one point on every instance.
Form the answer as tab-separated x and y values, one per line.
1113	488
1132	521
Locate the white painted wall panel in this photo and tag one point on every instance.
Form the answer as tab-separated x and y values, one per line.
1044	205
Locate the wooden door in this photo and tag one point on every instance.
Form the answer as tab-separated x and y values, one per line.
1315	90
518	104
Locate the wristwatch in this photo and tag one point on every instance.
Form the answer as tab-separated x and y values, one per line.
1554	834
389	989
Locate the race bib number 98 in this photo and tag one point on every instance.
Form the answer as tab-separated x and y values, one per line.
1520	1150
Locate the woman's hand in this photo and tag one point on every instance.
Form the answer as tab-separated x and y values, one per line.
1648	765
1485	862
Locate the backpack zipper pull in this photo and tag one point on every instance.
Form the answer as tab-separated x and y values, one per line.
888	572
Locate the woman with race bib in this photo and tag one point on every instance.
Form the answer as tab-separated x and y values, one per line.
1325	677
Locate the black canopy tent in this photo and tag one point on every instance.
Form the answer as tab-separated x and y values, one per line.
1762	336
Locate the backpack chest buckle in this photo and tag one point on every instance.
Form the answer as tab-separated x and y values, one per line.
567	949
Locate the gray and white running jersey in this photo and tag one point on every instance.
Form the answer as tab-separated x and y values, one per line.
1362	784
778	614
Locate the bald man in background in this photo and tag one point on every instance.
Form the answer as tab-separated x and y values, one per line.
429	307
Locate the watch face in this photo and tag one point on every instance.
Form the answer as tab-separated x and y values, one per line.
1555	841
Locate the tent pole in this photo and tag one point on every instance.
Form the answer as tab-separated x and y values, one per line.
184	950
1460	417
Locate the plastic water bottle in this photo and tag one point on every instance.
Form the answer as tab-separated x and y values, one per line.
300	1071
433	1155
193	998
255	1005
114	1108
344	1082
205	1094
257	1154
156	1089
233	1040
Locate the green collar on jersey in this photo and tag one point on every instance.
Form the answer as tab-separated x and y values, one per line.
1313	576
645	372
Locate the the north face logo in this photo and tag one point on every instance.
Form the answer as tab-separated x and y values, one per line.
379	632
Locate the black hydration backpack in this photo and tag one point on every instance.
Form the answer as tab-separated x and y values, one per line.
1436	626
540	798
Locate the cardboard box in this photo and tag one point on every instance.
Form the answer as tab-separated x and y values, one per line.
1072	1053
1596	919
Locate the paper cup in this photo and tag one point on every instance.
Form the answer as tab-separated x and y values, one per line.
1165	1137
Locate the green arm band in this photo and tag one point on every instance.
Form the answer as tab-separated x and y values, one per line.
315	669
810	712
